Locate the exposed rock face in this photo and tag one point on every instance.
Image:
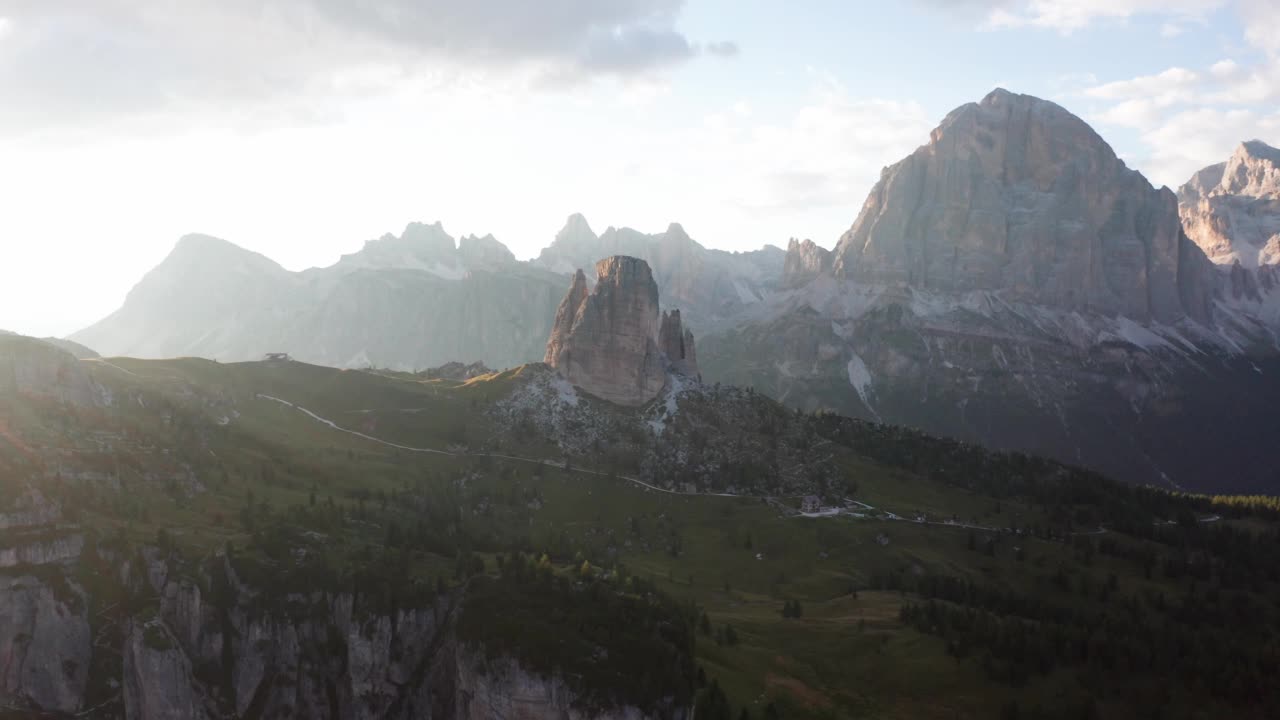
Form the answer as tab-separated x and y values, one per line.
805	261
226	652
1232	209
676	343
157	676
458	371
45	644
1017	195
1013	284
604	340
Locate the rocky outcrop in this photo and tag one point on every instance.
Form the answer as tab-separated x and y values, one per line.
1232	209
457	371
157	676
604	340
1014	194
676	344
805	261
207	644
45	643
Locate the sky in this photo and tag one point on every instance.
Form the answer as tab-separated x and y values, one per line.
302	128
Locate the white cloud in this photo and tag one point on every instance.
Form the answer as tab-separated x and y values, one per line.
87	61
1187	119
827	154
1070	15
1170	86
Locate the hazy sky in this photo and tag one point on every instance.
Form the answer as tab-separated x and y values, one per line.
301	128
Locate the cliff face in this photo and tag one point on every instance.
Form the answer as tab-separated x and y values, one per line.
1017	195
1013	284
805	261
676	344
45	643
1232	209
605	341
211	646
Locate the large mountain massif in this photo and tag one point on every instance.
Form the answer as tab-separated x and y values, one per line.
1010	283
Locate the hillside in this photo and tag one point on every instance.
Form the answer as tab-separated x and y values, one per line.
196	522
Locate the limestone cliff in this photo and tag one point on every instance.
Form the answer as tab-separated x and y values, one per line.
805	261
1013	284
1232	209
1015	194
676	343
605	340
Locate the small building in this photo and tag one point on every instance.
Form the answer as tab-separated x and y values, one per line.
277	357
810	504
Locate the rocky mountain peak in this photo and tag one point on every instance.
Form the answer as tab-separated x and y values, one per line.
430	239
1253	170
484	252
1015	194
576	229
805	261
605	340
676	343
1232	209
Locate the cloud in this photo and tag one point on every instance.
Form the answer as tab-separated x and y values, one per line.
827	154
1186	118
1070	15
81	60
723	48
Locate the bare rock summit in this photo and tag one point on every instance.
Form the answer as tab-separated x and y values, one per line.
805	261
676	343
1016	195
611	341
1232	209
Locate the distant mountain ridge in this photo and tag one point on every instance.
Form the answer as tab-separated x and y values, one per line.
1010	283
406	302
1232	209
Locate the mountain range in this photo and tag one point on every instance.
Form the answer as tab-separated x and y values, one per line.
1010	283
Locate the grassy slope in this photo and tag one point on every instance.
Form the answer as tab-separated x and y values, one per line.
847	657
